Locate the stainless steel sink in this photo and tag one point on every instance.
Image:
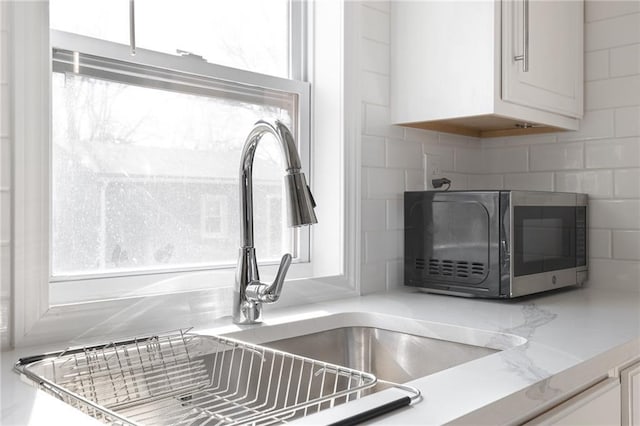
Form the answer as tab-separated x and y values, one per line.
389	355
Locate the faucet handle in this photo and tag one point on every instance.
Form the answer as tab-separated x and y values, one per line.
264	293
274	290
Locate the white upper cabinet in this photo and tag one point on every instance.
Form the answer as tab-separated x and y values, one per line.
487	68
542	65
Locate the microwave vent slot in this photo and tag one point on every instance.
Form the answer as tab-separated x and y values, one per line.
452	268
477	268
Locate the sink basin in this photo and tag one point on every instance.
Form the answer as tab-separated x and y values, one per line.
389	355
396	349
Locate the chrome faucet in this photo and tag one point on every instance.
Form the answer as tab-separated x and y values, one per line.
249	293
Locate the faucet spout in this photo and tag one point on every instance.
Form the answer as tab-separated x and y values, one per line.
249	293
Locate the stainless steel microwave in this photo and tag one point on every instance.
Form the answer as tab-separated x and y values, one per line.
495	244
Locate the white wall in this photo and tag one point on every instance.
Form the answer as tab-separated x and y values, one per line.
392	158
602	159
5	183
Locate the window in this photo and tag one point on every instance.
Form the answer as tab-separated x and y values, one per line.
131	302
214	216
146	148
246	34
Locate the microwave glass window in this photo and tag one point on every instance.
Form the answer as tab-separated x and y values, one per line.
544	239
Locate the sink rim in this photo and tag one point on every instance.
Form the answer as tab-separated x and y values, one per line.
286	328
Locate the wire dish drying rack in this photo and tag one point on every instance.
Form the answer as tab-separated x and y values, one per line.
189	379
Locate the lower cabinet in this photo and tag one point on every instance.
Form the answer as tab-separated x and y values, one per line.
630	381
599	405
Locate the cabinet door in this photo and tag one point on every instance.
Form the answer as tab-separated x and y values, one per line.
598	405
631	395
547	36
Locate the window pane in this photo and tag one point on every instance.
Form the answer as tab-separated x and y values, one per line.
106	20
246	34
146	178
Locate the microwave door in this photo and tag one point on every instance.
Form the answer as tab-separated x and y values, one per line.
453	240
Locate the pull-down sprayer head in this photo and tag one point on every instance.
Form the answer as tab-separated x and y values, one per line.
299	200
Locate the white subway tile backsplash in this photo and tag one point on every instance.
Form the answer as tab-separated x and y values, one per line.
5	276
395	214
364	183
395	274
377	122
525	140
414	180
375	56
469	160
529	181
612	93
595	10
627	183
625	60
381	5
373	151
596	65
614	32
5	216
626	245
423	136
5	164
459	181
627	121
375	88
600	243
403	154
375	24
373	215
615	214
444	153
614	274
381	246
595	125
6	305
485	181
452	140
385	183
612	153
505	160
601	159
560	156
4	111
5	321
596	183
373	277
4	65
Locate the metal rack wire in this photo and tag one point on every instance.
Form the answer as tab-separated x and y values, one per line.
189	379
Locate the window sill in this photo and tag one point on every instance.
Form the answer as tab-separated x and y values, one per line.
137	315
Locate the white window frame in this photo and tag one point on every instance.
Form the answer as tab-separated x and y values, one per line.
86	288
334	243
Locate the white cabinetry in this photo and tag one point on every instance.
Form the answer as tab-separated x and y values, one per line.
459	66
630	378
598	405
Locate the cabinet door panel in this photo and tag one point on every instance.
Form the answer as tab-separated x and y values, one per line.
553	81
631	395
598	405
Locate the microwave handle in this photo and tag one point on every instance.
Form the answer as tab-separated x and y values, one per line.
505	250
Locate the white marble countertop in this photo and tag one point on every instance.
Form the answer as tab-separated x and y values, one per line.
572	337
